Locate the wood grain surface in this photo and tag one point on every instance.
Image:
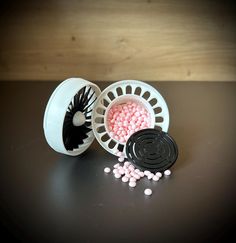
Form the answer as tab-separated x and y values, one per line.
118	39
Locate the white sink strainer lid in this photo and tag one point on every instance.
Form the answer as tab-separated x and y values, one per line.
67	118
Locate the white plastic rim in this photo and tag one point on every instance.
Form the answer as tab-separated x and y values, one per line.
55	114
120	92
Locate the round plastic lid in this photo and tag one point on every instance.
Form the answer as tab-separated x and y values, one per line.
151	149
67	118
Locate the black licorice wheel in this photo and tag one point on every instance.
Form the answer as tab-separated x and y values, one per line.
151	149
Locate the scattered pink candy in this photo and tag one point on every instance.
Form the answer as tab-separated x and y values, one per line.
146	172
125	179
132	179
121	159
150	176
117	175
159	174
116	166
148	192
107	170
155	178
128	173
132	184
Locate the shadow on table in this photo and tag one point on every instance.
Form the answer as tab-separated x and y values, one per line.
186	138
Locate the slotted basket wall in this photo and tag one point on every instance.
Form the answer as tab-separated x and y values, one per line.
121	92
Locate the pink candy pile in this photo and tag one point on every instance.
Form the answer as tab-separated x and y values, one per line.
125	119
129	174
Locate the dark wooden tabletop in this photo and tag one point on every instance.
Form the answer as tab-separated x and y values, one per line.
50	197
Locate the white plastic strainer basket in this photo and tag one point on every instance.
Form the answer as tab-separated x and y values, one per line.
121	92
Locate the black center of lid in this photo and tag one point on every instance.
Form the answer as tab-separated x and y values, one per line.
151	149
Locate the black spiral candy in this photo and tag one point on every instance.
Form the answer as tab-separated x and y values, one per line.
151	149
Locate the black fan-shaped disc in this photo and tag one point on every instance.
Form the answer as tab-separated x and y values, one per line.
151	149
73	136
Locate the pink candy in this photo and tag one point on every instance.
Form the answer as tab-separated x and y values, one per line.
125	179
132	184
150	176
125	119
121	159
131	175
132	179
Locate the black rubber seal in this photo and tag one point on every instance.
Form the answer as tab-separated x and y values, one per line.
151	149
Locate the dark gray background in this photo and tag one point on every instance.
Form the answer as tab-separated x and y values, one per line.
50	197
